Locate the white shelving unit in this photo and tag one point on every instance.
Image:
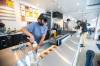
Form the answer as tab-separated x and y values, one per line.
7	13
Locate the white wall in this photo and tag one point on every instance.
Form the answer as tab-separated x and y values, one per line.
13	24
58	21
16	21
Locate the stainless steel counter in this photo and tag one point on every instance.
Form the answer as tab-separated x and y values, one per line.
64	55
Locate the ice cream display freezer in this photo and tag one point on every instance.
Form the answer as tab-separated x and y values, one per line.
64	55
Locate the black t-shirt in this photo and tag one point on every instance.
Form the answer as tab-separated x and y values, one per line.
84	27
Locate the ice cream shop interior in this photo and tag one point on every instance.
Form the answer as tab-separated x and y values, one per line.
49	32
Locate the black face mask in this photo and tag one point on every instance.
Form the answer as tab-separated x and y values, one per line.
40	23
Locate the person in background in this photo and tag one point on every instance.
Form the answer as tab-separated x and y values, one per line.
37	30
71	25
84	34
66	24
2	27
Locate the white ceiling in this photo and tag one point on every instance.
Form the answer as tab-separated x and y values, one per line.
74	8
64	6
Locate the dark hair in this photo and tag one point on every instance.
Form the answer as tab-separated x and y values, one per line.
2	25
68	19
78	21
43	16
45	19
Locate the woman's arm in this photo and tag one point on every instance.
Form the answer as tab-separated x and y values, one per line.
26	32
42	40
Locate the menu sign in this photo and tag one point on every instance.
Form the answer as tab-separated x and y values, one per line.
8	3
36	13
29	13
2	2
7	10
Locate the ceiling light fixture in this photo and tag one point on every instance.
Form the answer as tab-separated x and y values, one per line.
78	4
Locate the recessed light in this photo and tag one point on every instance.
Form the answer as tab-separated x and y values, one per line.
78	4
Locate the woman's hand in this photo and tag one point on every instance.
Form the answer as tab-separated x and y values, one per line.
36	47
31	39
29	34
